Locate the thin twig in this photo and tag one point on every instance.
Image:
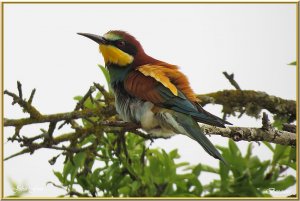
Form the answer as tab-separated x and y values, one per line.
31	96
107	96
80	103
19	86
231	80
266	124
34	113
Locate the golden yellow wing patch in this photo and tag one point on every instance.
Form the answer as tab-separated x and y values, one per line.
114	55
158	73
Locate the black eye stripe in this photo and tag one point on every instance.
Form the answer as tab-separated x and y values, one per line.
127	47
116	42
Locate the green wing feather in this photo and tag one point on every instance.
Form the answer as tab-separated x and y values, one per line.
181	104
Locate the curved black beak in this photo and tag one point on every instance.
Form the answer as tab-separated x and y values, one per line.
96	38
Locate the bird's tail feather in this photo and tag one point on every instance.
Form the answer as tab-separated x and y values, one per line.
218	121
193	129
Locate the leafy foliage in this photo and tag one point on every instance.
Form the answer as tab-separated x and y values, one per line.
248	176
126	167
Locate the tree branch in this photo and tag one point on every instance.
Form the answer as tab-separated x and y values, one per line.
252	102
253	134
107	121
233	99
105	111
236	133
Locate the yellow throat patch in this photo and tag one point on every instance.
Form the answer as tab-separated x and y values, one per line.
114	55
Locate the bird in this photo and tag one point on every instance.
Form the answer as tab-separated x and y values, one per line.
153	93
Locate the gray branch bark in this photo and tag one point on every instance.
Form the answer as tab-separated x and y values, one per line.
253	134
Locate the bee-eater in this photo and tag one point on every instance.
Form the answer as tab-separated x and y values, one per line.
153	93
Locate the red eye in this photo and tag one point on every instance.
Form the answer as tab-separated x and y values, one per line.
121	43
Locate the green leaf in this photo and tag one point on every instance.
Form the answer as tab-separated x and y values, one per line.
89	139
249	151
198	186
88	103
197	170
284	183
174	154
293	165
292	158
254	162
182	164
279	121
234	149
84	182
135	186
278	152
124	190
95	175
258	173
70	169
78	98
79	159
269	145
59	177
237	161
294	63
224	175
207	168
293	154
106	75
288	157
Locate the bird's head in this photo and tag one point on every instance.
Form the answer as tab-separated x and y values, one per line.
117	47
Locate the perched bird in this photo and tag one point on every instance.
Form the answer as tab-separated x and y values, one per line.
153	93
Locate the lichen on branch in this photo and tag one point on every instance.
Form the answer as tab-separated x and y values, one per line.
251	102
